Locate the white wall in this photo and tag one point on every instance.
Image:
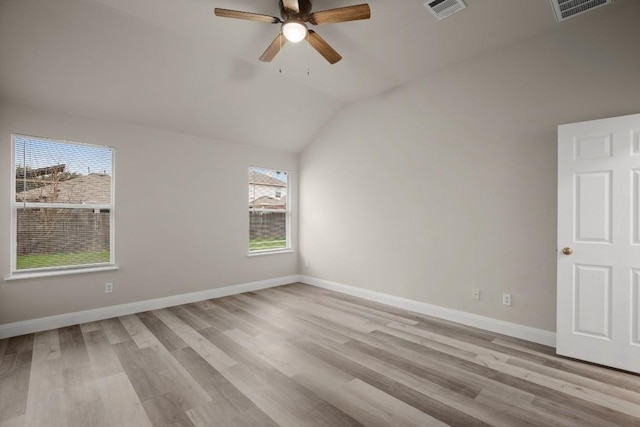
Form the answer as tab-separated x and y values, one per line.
449	183
181	216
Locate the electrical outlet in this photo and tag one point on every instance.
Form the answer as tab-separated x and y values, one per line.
506	299
475	293
108	288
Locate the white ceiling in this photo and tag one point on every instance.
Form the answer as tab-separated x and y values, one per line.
171	64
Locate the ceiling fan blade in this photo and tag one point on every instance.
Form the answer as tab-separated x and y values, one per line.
273	48
226	13
341	14
291	5
323	48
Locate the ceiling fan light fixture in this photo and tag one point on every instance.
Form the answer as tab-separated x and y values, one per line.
295	15
294	30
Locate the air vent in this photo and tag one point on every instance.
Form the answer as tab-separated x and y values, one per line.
444	8
565	9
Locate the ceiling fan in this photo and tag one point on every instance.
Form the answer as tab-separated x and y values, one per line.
295	16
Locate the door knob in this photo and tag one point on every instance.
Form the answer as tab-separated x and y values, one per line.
567	251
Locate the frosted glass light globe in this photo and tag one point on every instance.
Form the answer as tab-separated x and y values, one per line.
294	31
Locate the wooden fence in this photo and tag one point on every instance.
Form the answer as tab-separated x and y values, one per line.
60	231
267	225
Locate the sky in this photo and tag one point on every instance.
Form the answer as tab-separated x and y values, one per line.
79	158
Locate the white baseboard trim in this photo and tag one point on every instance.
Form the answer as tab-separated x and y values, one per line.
539	336
44	323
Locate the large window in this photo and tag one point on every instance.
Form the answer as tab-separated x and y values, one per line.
62	205
268	210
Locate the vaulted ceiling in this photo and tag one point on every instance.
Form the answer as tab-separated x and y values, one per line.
171	64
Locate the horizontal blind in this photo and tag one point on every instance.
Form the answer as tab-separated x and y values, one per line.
63	204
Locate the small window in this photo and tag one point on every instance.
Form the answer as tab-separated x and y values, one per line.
62	205
268	210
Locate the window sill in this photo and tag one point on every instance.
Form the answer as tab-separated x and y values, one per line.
52	273
275	252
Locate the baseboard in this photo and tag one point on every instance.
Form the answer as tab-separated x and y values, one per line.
506	328
539	336
44	323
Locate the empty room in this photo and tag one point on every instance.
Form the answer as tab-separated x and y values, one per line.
330	212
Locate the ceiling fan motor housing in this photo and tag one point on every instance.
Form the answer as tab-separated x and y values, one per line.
303	14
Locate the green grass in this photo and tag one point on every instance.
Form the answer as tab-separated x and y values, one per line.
59	260
266	243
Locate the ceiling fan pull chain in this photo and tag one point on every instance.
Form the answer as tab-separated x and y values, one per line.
308	56
280	59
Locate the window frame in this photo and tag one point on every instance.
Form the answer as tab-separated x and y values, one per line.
287	193
15	273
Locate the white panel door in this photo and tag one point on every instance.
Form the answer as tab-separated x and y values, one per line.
599	241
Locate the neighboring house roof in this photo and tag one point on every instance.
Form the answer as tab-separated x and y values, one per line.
267	202
258	178
89	189
47	170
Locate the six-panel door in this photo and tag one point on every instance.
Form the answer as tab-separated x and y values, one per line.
599	220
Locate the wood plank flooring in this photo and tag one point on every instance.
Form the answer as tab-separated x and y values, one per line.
299	356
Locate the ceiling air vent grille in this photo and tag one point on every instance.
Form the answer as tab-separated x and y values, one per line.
444	8
565	9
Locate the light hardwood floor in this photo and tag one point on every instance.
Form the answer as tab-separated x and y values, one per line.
299	356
